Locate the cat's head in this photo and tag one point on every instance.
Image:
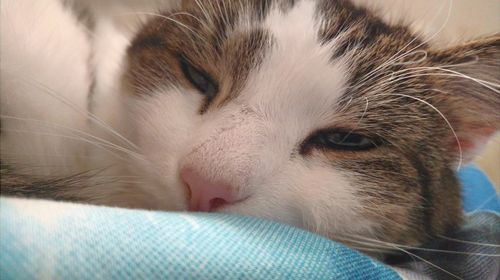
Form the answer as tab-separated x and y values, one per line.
312	113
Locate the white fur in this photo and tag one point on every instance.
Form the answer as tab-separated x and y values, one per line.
44	53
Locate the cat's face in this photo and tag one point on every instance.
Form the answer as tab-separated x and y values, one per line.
313	113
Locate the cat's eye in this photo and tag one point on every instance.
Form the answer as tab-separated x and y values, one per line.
342	140
199	79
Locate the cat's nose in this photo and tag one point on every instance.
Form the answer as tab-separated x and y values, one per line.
206	195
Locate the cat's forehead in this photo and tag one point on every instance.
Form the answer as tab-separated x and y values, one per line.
263	47
298	67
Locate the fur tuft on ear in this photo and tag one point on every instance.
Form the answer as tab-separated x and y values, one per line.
468	92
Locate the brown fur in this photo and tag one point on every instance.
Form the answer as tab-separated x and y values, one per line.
155	53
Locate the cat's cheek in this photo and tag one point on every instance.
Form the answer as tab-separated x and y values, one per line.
163	124
328	199
299	196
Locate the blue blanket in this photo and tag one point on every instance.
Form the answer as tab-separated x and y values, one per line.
51	240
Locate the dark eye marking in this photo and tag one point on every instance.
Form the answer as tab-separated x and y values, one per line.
152	42
199	79
340	140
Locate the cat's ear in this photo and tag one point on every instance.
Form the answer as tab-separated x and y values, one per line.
468	91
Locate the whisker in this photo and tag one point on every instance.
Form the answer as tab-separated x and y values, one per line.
427	40
417	61
359	121
469	242
452	73
172	20
397	56
72	130
85	113
408	253
204	11
430	263
486	201
421	71
424	249
100	145
6	154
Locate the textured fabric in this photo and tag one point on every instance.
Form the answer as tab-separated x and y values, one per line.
49	240
478	193
473	252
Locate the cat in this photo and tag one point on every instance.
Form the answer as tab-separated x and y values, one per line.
319	114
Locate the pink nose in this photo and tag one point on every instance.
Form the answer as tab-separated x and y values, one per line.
206	195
